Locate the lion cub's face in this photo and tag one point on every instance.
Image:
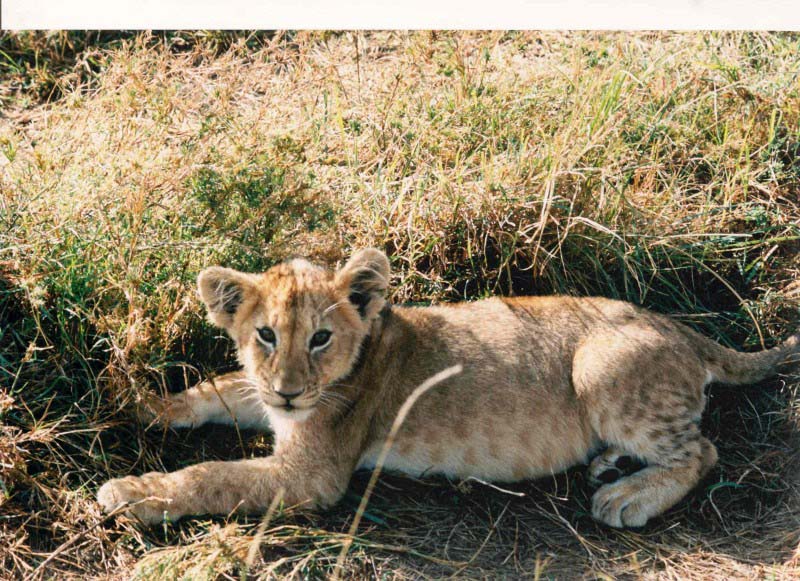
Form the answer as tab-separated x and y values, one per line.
298	328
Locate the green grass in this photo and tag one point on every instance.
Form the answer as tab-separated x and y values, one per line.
658	168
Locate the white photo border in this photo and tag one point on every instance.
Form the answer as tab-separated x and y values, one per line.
406	14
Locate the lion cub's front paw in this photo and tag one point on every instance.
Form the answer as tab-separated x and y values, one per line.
145	502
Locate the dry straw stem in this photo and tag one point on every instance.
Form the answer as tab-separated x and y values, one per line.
402	413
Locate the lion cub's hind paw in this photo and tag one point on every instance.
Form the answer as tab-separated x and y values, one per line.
623	504
611	465
173	411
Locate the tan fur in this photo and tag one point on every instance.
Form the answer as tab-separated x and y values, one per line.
547	382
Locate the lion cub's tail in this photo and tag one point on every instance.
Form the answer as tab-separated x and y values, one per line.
731	366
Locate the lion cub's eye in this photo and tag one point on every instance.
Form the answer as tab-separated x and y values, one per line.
267	336
320	339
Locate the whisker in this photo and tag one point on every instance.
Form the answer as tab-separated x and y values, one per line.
330	405
342	403
339	385
235	382
333	307
325	403
337	395
245	382
252	397
324	399
333	398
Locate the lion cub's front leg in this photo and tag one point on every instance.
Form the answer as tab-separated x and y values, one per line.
247	486
227	399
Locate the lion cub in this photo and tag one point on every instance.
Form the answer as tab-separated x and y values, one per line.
546	382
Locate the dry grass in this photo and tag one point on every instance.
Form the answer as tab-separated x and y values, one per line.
658	168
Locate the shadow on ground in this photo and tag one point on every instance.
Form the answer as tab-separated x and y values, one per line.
744	516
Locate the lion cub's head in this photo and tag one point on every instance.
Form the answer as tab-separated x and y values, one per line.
298	327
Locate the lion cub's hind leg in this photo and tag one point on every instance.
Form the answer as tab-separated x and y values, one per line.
642	389
612	464
227	399
674	467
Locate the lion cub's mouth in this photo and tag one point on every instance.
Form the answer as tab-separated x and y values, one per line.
292	411
288	406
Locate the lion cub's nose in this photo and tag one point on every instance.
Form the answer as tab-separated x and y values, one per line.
289	396
288	392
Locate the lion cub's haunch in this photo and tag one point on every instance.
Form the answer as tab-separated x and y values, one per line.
546	382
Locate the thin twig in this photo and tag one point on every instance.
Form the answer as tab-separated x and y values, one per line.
398	422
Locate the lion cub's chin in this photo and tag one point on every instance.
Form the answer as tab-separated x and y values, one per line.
295	414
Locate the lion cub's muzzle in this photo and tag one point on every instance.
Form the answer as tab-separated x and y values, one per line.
287	392
290	397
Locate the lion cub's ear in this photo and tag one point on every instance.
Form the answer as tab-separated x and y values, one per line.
365	278
223	291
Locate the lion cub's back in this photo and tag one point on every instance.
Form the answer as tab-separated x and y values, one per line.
512	413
